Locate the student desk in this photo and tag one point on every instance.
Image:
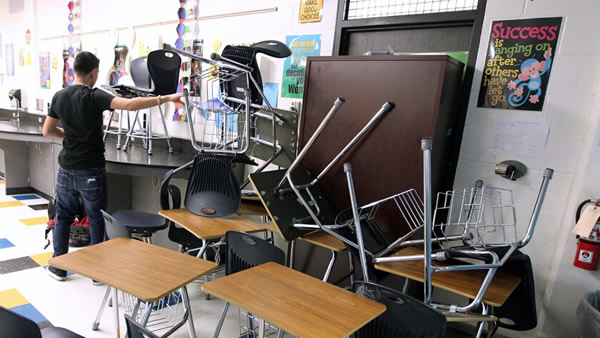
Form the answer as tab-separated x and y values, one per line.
146	271
464	283
297	303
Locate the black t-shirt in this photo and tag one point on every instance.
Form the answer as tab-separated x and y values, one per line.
79	108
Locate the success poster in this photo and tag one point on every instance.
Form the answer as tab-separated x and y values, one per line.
518	63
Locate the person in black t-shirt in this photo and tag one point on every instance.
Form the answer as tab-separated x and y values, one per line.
82	171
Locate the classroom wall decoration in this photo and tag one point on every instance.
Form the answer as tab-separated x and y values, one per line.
302	46
10	59
45	70
70	51
310	11
183	42
518	63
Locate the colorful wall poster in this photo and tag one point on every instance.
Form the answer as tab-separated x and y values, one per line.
302	46
310	11
45	70
518	63
10	59
271	89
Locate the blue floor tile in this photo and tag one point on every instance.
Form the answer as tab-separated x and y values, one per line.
26	197
30	312
5	243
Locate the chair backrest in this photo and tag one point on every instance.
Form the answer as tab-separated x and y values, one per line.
212	190
139	72
114	229
246	56
15	325
164	67
519	311
135	330
245	251
404	316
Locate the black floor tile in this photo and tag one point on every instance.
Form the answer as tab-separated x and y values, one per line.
17	264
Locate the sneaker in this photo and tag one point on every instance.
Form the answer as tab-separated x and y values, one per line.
97	283
56	273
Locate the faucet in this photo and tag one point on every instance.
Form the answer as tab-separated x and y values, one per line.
18	107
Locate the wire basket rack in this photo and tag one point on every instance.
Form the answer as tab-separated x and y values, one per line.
166	312
220	119
479	217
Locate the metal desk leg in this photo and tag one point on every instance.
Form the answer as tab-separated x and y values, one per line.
261	328
202	249
190	320
330	266
351	266
99	315
136	308
482	324
115	302
221	320
292	252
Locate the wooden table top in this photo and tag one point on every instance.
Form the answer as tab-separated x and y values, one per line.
146	271
324	240
297	303
208	227
252	208
464	283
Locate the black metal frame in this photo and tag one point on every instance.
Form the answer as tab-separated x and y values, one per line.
344	28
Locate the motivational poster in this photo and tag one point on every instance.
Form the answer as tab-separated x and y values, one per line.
294	67
518	63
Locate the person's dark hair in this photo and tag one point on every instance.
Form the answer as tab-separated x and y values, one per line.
85	62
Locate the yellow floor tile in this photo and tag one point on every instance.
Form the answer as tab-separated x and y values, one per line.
10	204
34	221
11	298
42	259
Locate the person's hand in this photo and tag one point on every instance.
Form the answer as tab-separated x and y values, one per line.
175	98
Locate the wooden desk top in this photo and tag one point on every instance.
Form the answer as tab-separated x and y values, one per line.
324	240
209	228
146	271
297	303
464	283
252	208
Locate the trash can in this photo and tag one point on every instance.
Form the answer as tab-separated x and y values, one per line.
588	315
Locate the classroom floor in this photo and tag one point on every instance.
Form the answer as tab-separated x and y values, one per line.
26	288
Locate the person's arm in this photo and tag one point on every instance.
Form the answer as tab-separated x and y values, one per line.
51	128
143	102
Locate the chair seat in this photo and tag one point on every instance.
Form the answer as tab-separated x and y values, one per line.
58	332
139	222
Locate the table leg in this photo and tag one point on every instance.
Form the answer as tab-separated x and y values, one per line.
202	249
115	303
482	324
221	320
101	309
292	251
190	320
330	266
261	328
136	308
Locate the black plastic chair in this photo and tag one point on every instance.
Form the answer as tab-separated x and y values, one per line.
135	330
519	311
404	316
244	252
213	190
170	198
247	56
13	325
114	229
143	224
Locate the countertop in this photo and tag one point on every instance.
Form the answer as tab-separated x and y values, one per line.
135	161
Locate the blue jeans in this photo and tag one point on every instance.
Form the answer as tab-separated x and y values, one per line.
70	184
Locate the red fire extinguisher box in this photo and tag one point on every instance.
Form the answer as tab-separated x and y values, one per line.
588	254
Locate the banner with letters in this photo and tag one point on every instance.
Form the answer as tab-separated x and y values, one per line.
518	63
294	67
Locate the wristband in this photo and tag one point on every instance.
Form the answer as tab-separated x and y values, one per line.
158	99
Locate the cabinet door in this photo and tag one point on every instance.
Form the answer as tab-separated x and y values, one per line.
41	173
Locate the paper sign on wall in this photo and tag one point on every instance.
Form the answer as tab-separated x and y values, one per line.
518	63
310	11
45	70
302	46
523	138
